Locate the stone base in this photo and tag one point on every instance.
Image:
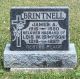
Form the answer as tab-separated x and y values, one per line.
40	69
40	59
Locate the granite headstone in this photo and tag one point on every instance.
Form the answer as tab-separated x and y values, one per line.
39	39
39	29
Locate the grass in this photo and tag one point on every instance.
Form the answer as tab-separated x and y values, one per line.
74	13
47	75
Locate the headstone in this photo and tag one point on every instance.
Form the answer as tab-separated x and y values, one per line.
39	29
39	39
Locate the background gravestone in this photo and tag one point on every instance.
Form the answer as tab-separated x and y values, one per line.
44	29
39	29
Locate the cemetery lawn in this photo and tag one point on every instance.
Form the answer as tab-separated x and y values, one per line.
74	14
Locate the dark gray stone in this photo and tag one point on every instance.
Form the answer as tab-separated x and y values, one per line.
39	28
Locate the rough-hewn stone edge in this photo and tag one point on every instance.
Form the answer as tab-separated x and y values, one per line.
71	52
